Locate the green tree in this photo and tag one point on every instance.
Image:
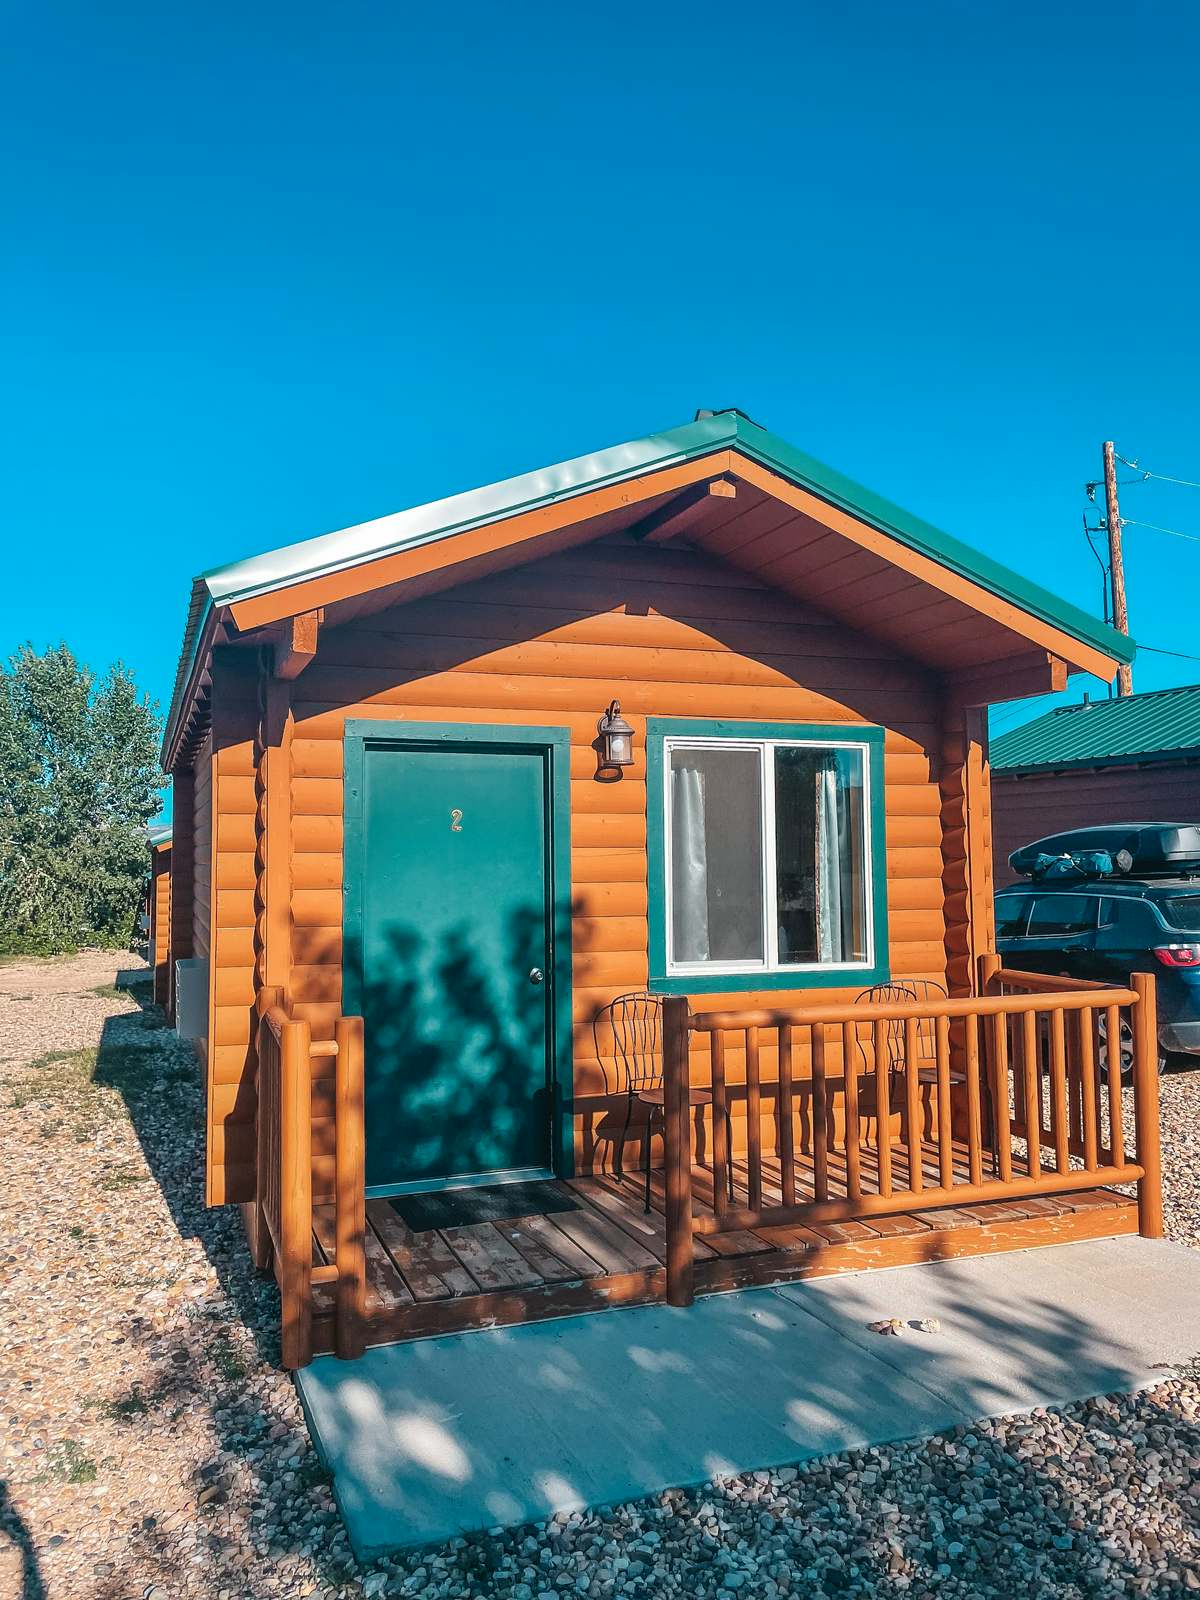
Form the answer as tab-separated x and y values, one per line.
79	780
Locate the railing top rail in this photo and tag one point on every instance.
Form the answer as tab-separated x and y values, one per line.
1043	980
277	1019
976	1006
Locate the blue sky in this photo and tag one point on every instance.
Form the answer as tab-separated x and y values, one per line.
270	270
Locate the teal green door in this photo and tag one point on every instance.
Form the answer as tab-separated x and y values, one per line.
457	970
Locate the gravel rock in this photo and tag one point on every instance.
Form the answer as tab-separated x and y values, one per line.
151	1449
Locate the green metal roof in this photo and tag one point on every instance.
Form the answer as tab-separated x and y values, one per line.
1104	732
441	519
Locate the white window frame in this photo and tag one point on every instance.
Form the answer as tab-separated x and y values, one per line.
769	887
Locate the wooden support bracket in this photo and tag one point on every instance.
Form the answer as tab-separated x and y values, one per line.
298	644
682	510
1012	678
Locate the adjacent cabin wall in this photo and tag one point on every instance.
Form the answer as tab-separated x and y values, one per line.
182	858
230	1055
160	922
1028	808
670	632
202	834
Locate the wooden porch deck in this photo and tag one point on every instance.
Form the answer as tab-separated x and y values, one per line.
607	1252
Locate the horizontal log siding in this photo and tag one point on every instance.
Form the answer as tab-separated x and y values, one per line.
160	924
670	632
231	1094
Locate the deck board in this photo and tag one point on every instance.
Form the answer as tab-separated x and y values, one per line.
424	1260
383	1281
613	1247
610	1252
562	1246
491	1260
532	1247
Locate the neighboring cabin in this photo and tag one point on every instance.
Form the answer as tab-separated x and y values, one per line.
390	802
159	951
1134	759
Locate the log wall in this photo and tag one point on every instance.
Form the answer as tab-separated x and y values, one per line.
160	923
1030	807
230	1056
670	632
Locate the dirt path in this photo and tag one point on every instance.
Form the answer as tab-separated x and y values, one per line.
147	1436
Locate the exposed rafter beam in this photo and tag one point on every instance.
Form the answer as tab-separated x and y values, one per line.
298	646
680	512
1013	678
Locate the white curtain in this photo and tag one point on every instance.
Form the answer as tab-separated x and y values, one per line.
689	866
833	860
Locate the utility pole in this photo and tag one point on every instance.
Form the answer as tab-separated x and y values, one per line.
1112	517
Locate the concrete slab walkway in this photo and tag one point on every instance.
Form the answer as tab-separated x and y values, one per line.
442	1437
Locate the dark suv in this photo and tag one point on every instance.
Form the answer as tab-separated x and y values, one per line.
1070	921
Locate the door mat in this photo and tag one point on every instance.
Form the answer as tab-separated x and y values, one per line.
499	1202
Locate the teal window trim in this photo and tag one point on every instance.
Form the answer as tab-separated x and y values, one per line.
810	977
363	734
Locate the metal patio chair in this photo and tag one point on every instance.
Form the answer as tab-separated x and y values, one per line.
921	990
635	1021
905	992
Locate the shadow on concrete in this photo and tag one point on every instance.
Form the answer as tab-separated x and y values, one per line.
456	1435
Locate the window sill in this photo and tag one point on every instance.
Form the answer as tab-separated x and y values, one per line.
749	982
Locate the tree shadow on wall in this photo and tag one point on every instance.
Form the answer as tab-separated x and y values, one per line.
458	1052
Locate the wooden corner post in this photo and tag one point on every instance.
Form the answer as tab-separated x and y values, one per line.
1145	1105
966	816
351	1193
677	1142
294	1269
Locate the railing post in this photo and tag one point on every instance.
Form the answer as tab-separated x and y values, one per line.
351	1194
677	1143
295	1196
1145	1104
268	996
996	1091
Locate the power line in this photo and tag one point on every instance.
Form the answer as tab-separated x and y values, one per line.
1157	650
1162	477
1129	522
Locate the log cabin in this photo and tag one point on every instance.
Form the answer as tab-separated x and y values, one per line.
159	903
1102	761
588	881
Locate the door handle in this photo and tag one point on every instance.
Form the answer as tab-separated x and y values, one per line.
537	975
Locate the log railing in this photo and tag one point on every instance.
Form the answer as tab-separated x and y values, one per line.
286	1057
884	1108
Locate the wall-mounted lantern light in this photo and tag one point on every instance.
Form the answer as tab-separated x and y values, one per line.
616	738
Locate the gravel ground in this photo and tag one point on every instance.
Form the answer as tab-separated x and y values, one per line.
149	1447
1180	1102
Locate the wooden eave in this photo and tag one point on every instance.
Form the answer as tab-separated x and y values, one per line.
774	531
771	513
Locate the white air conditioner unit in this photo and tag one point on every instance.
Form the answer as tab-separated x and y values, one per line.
191	998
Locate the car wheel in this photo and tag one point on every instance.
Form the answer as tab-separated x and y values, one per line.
1126	1048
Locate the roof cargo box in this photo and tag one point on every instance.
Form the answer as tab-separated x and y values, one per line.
1138	849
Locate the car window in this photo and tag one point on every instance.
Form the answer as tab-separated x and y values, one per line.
1181	910
1125	922
1062	914
1010	915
